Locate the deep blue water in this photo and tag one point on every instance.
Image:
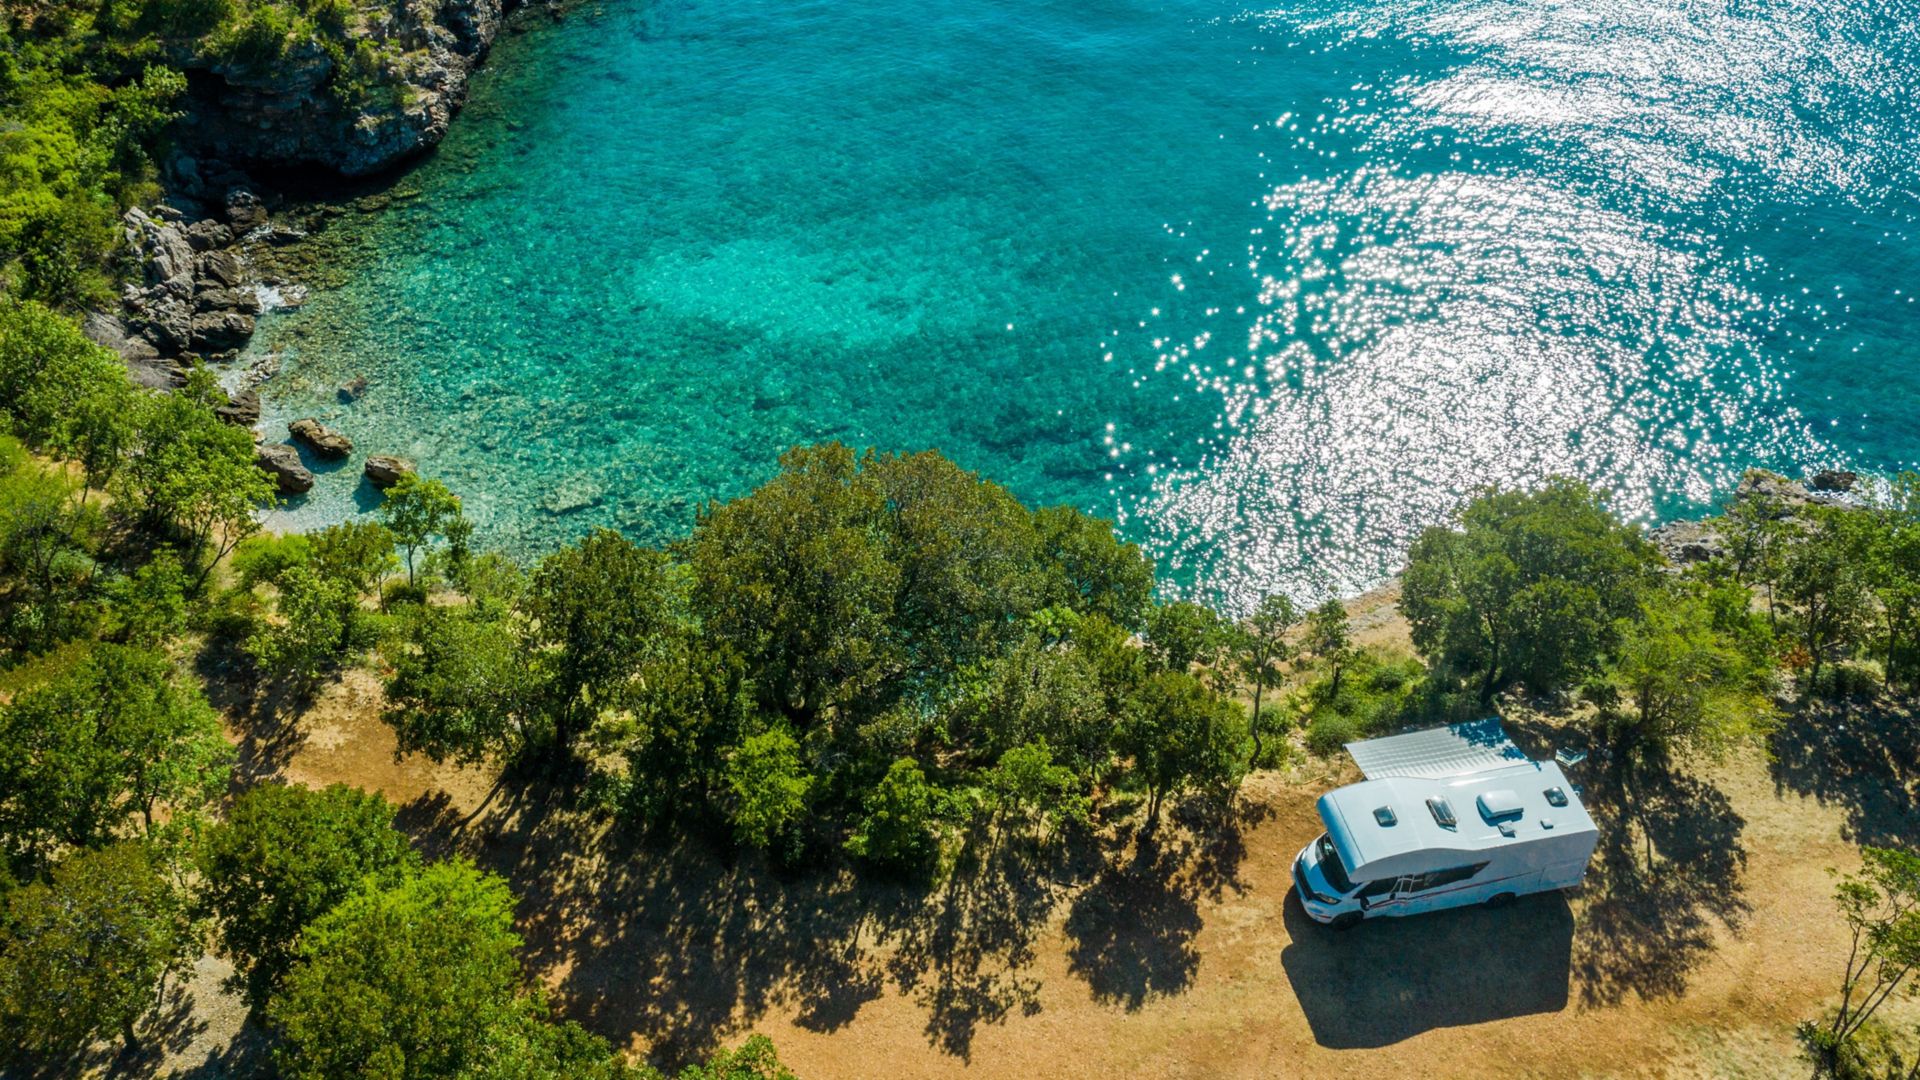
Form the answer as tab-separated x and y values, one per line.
1273	287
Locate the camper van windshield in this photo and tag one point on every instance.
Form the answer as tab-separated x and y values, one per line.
1330	866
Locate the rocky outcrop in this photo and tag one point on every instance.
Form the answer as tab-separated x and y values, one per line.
324	440
193	295
282	462
1835	480
289	110
384	470
1684	542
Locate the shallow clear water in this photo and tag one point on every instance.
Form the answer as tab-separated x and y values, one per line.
1274	287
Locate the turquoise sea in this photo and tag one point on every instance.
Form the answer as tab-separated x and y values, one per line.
1272	286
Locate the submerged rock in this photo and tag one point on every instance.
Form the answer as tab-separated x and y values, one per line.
351	390
385	470
282	462
324	440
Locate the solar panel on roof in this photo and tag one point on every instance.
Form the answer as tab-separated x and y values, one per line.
1454	750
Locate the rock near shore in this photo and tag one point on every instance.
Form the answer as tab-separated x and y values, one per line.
385	470
282	462
322	439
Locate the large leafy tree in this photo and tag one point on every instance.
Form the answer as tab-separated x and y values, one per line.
595	613
799	577
1093	571
1039	691
102	746
1529	588
1677	685
47	543
461	687
1181	734
84	954
419	980
188	471
767	787
286	855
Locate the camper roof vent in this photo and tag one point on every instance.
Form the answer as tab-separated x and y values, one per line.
1499	805
1556	797
1506	829
1384	815
1442	812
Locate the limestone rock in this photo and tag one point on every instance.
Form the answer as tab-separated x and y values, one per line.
324	440
282	462
385	470
221	267
221	331
1684	542
208	235
242	410
352	389
245	210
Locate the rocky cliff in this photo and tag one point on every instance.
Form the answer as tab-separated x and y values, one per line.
411	60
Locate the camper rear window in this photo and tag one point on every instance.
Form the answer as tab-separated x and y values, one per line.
1330	865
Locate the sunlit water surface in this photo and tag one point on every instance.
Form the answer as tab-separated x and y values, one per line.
1273	287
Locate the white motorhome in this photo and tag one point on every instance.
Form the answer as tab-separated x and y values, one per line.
1446	817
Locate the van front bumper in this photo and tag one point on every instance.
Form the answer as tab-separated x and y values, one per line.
1309	902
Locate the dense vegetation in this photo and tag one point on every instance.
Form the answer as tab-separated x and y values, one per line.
88	89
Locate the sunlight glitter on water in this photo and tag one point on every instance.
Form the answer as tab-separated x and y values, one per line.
1274	288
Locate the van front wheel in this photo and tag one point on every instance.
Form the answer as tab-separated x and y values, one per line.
1346	920
1500	900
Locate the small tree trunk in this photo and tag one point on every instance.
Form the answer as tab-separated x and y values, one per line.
1253	728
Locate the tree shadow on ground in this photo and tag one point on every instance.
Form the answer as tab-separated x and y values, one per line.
266	715
1131	933
1643	930
1864	757
1390	979
678	946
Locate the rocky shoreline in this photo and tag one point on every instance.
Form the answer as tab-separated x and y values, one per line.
216	253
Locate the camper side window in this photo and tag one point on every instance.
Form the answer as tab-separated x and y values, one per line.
1437	878
1379	888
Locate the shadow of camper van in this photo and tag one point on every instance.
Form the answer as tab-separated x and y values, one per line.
1445	969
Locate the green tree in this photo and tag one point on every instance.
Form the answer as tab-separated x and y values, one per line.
1182	634
690	704
595	613
1329	641
419	980
461	688
189	471
1894	578
798	577
768	786
753	1060
1094	571
415	511
1260	651
85	955
286	855
1530	587
1028	788
1037	692
1827	576
1677	686
1181	734
1881	905
113	739
148	608
318	614
47	541
896	830
356	553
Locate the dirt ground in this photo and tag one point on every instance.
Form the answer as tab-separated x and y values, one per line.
1183	956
